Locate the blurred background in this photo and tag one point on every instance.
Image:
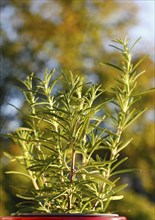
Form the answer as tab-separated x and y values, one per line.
74	35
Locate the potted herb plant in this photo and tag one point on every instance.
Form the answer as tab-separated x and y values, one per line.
72	141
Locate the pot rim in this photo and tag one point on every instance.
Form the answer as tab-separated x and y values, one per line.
65	214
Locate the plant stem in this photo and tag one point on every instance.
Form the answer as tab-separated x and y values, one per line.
71	176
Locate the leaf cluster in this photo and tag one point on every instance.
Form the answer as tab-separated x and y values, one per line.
65	132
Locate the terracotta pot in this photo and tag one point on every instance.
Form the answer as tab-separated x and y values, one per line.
65	217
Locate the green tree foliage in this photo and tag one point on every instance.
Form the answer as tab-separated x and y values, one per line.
72	35
134	207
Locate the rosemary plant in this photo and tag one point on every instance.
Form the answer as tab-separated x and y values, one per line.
70	153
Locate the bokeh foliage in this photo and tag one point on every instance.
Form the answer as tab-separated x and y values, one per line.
73	35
